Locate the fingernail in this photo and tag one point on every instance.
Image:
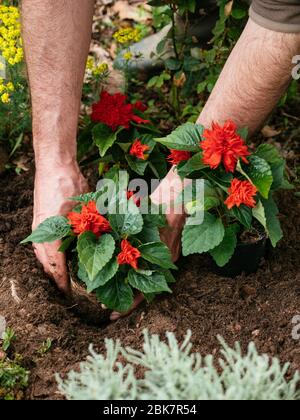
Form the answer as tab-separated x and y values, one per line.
115	316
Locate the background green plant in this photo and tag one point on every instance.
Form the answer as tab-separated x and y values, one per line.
15	115
172	372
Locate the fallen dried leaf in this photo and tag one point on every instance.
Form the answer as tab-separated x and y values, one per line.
268	132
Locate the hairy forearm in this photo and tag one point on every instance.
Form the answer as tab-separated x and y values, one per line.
255	76
56	36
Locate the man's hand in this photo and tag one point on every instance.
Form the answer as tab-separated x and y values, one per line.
53	188
167	193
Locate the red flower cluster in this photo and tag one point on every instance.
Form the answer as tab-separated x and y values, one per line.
138	150
241	192
178	156
113	111
89	220
128	255
137	201
223	144
140	106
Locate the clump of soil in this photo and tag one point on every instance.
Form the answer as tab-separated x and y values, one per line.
259	307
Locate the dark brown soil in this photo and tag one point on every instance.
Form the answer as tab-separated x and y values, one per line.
260	307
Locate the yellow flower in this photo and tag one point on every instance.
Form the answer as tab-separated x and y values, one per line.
10	86
128	35
10	34
128	56
5	98
101	69
90	63
96	70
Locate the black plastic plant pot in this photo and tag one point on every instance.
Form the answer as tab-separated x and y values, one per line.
246	259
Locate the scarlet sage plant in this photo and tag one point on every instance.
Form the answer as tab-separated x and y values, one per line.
118	253
237	189
124	136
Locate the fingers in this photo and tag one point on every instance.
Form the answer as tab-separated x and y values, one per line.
137	301
54	264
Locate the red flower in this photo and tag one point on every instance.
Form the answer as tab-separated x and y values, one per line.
178	156
223	144
137	201
113	111
140	106
89	220
128	255
241	192
138	150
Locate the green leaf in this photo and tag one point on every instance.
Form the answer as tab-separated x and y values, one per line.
201	87
259	214
260	173
199	197
116	295
186	137
223	253
243	214
169	276
106	274
154	283
137	165
238	13
193	164
270	154
86	198
52	229
197	239
150	233
158	164
243	132
273	224
173	64
95	254
128	221
66	244
157	253
104	137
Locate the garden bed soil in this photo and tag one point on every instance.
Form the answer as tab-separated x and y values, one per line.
259	307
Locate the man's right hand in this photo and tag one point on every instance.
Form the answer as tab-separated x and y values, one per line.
166	194
53	187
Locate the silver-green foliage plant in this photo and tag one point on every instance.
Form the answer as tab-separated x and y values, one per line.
173	372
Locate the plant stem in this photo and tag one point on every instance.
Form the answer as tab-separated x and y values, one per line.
173	8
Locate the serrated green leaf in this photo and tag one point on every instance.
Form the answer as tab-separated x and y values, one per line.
104	137
52	229
192	165
154	283
128	221
149	233
169	276
197	239
259	214
158	164
243	214
105	275
66	244
270	154
137	165
259	171
273	224
157	253
116	295
223	253
186	137
199	196
95	253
